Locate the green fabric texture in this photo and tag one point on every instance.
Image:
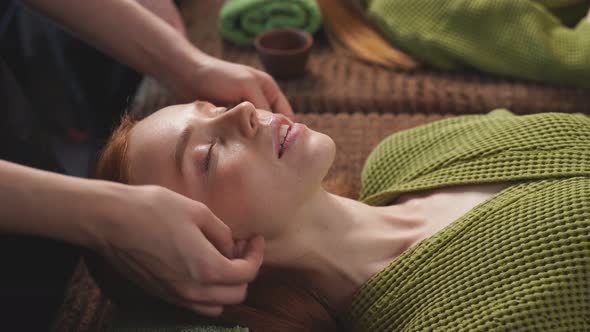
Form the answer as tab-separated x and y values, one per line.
517	38
241	20
520	261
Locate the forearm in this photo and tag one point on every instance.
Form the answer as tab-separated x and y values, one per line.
129	32
60	207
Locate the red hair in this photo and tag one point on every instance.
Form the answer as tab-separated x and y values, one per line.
277	300
112	164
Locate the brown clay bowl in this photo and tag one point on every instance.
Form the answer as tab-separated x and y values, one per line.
284	52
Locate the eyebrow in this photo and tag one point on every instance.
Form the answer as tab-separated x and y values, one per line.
181	144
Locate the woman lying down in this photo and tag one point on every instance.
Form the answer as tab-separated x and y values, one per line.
478	222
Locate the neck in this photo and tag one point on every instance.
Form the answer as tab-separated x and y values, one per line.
338	243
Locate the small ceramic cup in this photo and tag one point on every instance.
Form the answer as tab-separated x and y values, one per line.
284	52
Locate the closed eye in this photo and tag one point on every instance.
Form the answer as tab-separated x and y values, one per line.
207	160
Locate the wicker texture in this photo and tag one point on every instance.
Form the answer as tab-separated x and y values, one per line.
84	307
338	83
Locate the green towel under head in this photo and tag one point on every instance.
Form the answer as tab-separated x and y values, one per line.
241	20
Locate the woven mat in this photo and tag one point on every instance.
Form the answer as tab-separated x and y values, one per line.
338	83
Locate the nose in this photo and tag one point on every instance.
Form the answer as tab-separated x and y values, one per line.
244	117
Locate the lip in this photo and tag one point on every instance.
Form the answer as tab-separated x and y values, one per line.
275	124
294	131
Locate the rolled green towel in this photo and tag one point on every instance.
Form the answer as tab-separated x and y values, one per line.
241	20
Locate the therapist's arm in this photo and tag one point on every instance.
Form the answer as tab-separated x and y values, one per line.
171	246
127	31
167	11
135	36
55	206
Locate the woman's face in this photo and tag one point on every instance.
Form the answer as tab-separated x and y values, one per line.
232	160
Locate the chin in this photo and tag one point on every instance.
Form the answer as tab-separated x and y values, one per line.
321	156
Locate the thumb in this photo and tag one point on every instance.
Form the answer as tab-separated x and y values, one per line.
218	233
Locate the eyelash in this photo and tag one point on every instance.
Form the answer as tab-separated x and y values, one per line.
208	158
210	151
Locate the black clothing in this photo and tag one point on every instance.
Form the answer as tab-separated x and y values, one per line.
49	83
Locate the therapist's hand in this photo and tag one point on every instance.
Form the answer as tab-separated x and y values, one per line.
142	40
222	82
176	249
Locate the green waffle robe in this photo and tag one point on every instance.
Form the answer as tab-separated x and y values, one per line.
520	261
518	38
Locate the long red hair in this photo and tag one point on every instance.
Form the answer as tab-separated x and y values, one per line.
276	301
